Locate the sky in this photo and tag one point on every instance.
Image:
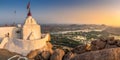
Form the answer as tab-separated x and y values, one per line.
62	11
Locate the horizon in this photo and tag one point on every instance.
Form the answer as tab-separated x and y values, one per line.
62	12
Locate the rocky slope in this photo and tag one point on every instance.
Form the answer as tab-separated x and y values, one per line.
5	54
102	49
105	54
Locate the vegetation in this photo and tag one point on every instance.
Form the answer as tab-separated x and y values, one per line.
63	41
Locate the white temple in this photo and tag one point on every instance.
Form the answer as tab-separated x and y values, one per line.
23	39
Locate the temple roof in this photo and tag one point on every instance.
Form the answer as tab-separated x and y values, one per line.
30	20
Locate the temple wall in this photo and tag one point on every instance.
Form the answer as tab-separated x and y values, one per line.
25	46
3	42
5	30
31	29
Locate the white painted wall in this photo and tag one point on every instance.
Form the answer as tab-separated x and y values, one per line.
4	41
25	46
31	28
5	30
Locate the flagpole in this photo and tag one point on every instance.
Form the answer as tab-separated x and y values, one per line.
28	8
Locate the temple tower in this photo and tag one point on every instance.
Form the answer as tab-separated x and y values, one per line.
31	30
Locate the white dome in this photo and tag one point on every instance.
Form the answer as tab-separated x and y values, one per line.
30	20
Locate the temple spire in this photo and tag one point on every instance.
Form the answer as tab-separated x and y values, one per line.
29	13
28	8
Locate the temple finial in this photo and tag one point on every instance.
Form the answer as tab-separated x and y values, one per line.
28	8
29	13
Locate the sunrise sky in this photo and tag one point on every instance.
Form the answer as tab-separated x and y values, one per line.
62	11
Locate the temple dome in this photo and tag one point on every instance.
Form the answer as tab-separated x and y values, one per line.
30	20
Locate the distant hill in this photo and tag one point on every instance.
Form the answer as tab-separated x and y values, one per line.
113	30
70	27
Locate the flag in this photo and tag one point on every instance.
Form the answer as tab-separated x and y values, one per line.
29	13
28	6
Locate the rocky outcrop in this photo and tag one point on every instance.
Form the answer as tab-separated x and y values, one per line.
45	55
69	56
5	54
118	43
97	45
105	54
32	54
41	53
57	55
102	49
79	49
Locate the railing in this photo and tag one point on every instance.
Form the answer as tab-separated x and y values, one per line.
19	57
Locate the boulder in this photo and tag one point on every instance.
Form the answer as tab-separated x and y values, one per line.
105	54
111	41
32	54
38	57
88	47
5	54
41	53
97	45
45	55
100	44
49	47
94	42
103	39
94	47
38	52
69	56
118	43
57	55
79	49
110	46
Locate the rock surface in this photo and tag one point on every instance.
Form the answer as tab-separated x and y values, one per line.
5	54
43	53
79	49
69	56
57	55
97	44
105	54
102	49
43	56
